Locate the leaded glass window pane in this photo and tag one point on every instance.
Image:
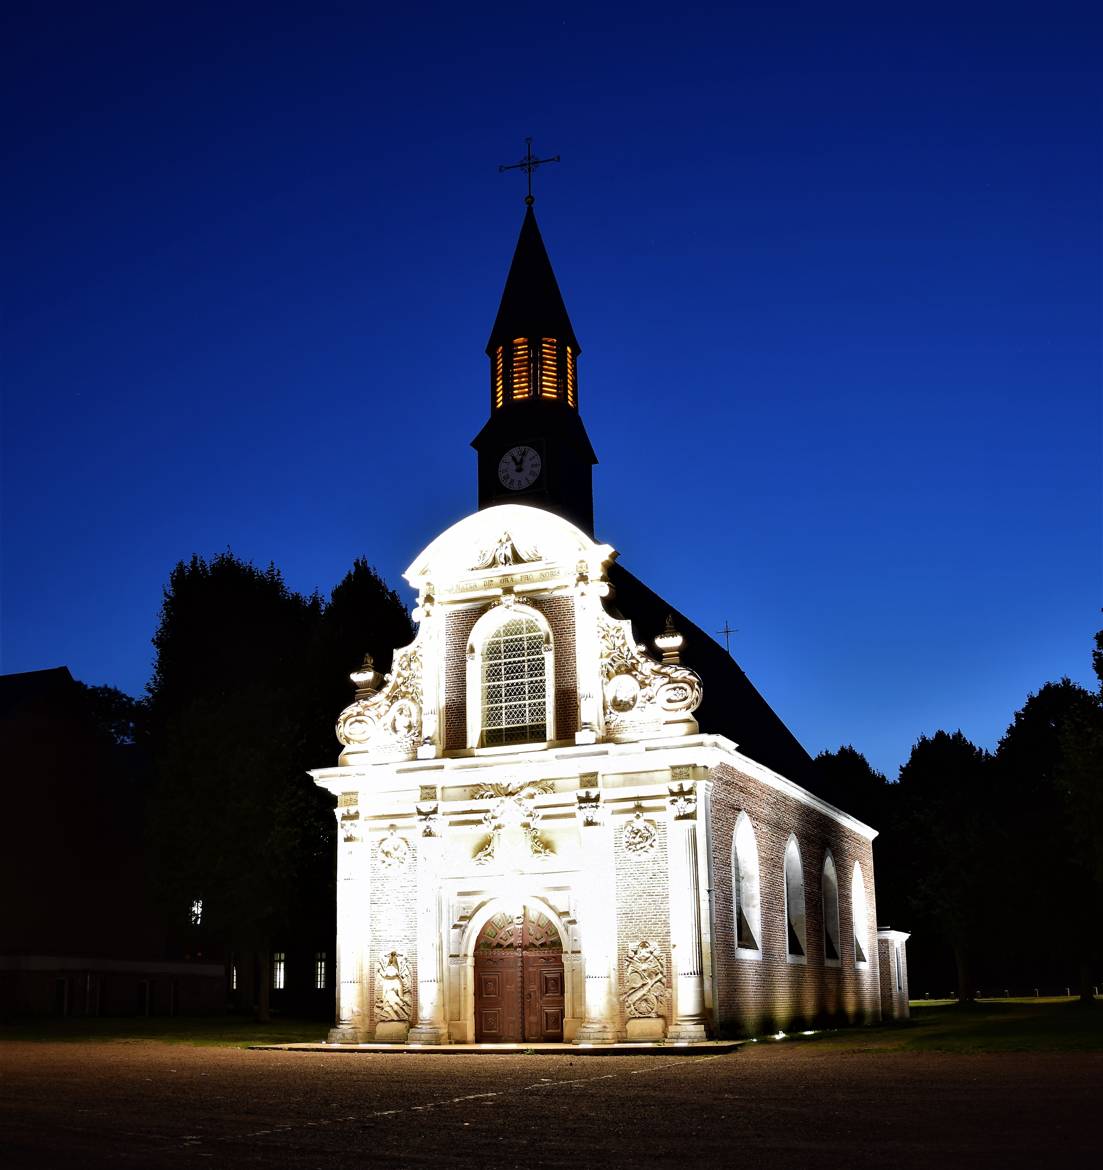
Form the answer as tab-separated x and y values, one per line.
514	684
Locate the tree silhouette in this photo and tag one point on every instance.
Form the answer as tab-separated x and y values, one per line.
950	866
1049	766
248	679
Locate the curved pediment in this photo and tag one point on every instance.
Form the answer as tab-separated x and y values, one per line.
508	541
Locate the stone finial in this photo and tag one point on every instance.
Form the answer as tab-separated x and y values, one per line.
366	678
670	643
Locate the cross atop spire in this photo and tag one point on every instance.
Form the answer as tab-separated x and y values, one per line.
528	164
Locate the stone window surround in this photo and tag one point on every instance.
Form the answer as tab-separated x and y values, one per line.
487	623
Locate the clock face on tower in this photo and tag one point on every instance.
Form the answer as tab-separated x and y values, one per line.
519	468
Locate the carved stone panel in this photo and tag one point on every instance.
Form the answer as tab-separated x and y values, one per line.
640	835
642	696
394	851
644	981
393	995
512	818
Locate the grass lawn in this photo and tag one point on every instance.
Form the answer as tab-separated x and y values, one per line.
224	1031
1012	1025
1005	1025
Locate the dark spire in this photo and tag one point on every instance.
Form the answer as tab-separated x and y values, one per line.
532	305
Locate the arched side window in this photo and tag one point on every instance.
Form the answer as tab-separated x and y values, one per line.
858	908
831	951
796	941
510	678
745	898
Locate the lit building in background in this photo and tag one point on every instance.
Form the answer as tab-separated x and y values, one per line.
566	814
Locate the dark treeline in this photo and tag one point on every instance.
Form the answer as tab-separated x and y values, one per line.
992	859
248	678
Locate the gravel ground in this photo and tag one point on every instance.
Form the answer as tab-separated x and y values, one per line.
153	1105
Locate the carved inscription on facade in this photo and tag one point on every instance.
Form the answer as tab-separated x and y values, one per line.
393	996
644	981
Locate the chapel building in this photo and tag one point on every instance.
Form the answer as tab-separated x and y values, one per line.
566	813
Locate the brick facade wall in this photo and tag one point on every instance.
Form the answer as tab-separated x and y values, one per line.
643	906
393	921
559	612
457	630
759	995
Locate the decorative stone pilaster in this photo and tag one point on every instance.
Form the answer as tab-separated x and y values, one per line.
432	659
431	1027
588	595
596	895
685	925
353	930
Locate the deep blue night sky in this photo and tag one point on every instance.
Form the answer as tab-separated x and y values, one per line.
835	270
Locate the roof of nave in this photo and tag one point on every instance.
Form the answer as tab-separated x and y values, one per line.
731	706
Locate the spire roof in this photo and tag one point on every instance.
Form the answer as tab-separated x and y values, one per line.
532	305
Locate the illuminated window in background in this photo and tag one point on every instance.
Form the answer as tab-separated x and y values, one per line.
320	971
830	910
745	886
549	368
796	942
861	916
571	397
279	960
233	977
522	386
498	376
899	972
197	912
514	684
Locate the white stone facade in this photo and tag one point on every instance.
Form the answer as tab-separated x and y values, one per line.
526	764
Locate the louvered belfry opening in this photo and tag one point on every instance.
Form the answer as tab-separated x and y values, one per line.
542	367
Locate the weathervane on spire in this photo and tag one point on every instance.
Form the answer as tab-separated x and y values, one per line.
528	164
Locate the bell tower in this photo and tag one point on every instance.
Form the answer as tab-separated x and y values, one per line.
534	448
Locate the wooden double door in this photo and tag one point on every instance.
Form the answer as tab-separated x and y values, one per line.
518	980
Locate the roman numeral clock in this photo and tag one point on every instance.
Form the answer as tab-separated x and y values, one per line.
519	468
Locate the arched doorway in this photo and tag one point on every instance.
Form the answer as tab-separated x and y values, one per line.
518	979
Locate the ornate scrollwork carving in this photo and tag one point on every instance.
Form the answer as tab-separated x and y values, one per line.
682	800
644	981
348	822
640	835
428	817
394	851
514	792
387	722
504	552
642	696
590	811
393	999
512	809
